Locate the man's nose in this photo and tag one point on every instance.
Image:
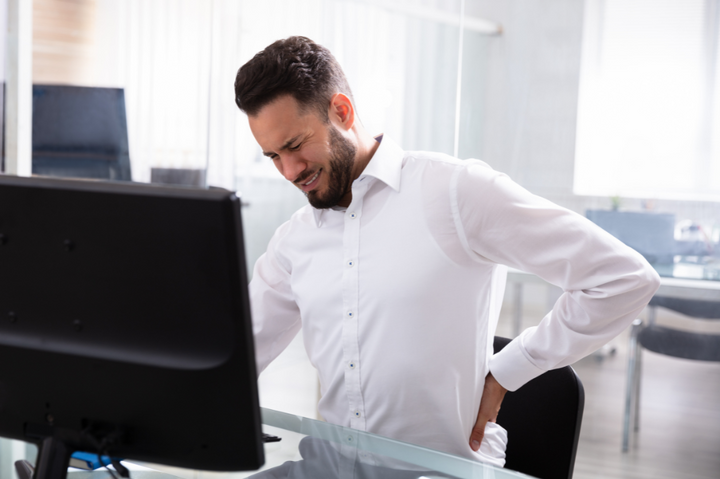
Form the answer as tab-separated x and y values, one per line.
292	167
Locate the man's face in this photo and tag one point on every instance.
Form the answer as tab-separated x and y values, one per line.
313	155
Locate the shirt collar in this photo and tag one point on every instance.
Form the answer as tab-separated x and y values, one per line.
385	165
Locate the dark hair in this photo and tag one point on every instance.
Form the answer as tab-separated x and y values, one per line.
296	66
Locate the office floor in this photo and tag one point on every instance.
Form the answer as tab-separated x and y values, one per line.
679	419
680	410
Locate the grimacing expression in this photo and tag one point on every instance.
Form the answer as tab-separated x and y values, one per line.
310	151
342	158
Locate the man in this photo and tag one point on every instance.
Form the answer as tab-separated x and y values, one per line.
396	270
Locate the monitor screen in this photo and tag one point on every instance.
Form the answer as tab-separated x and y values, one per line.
80	132
650	234
124	321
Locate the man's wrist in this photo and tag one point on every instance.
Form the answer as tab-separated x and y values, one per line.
495	382
511	368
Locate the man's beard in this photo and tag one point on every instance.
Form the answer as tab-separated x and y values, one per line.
342	158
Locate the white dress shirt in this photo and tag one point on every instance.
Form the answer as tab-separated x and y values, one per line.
398	296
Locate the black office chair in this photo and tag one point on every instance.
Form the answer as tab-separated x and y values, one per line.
543	421
80	132
667	341
179	176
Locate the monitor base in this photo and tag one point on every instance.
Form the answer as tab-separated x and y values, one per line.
24	469
52	462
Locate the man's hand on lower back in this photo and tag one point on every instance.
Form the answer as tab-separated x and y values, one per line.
492	397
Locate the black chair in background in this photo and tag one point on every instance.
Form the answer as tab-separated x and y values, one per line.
668	341
80	132
543	421
179	176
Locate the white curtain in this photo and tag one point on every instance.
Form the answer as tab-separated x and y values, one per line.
159	52
177	61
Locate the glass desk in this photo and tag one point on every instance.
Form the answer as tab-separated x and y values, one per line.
314	449
321	450
706	268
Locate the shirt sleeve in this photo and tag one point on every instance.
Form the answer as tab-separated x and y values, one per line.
605	283
275	314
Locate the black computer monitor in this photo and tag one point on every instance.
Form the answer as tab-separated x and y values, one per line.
80	132
125	323
650	234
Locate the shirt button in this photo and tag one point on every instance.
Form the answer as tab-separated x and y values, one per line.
350	314
357	414
351	364
350	263
353	215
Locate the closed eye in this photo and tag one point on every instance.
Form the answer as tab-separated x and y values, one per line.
295	148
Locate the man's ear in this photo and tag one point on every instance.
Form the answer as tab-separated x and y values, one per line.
342	111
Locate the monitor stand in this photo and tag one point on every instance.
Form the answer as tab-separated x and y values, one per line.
24	469
52	462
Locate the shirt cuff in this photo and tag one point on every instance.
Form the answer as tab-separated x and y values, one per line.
511	368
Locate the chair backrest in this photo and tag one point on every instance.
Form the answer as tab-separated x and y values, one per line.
679	343
80	132
695	308
543	421
178	176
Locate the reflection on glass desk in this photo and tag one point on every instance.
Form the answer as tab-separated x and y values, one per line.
316	449
136	472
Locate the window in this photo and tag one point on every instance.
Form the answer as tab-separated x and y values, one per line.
649	109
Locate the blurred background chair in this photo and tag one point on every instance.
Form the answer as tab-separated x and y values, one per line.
543	421
668	341
80	132
178	176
